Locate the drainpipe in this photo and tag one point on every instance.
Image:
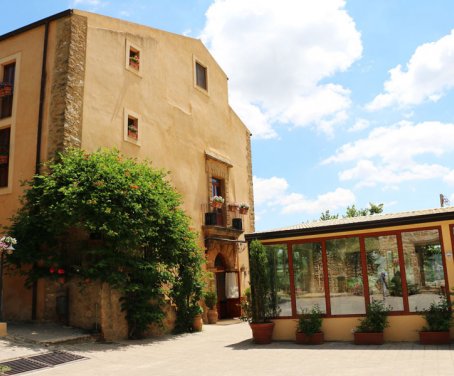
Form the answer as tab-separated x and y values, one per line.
42	95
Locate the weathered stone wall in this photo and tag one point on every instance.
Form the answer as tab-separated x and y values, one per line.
251	212
68	77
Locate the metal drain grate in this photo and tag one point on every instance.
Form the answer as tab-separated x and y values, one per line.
35	362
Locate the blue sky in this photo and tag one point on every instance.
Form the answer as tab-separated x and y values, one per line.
349	102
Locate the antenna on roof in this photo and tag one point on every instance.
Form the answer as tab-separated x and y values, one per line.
444	200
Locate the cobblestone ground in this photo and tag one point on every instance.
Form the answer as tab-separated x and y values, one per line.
228	350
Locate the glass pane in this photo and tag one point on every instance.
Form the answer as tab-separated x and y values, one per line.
279	278
308	276
383	271
345	276
423	268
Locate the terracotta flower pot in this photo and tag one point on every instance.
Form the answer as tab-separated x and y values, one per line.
212	316
369	338
262	333
134	64
304	339
216	204
197	324
244	210
434	338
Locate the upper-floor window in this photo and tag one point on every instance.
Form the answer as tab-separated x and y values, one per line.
216	187
4	156
201	76
6	90
133	58
132	127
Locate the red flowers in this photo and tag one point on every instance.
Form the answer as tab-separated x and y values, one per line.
59	271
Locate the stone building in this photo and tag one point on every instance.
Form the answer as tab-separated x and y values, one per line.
90	81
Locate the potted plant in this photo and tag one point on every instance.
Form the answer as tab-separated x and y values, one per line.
134	60
211	299
308	330
438	319
370	329
244	207
217	201
257	308
197	323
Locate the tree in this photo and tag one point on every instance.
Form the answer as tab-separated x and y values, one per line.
145	250
352	211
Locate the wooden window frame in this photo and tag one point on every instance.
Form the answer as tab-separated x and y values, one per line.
197	63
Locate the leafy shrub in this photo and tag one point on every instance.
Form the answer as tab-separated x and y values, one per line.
146	249
438	316
376	319
211	299
310	323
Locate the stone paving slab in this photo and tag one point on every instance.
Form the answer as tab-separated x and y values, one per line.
45	333
228	350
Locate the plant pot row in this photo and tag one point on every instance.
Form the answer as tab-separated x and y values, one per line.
263	333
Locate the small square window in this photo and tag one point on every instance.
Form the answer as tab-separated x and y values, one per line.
134	58
201	76
132	127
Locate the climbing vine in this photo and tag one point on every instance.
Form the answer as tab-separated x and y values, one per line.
105	217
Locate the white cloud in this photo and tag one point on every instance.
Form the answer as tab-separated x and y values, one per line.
428	75
273	192
359	125
276	54
388	156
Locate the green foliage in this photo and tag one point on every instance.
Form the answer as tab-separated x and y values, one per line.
352	211
145	248
211	299
261	304
310	322
326	216
438	316
376	319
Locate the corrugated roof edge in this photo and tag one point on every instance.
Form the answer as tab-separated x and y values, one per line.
33	25
356	223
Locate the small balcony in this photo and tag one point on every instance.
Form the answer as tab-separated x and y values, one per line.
221	222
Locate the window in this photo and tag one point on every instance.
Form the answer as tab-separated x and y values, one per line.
424	268
216	189
383	270
132	127
279	279
345	276
134	58
308	276
6	90
201	76
4	156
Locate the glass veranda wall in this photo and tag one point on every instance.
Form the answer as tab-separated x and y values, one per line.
405	269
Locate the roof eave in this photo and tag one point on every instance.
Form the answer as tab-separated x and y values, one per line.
390	222
33	25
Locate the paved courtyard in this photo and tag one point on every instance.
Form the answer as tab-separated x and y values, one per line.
227	350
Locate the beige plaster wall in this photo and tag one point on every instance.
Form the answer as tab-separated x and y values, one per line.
27	49
178	122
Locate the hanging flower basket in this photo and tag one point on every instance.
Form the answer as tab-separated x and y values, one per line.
244	208
217	202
